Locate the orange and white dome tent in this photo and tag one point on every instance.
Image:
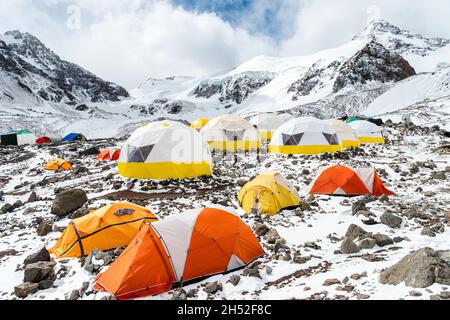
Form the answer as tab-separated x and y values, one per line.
182	248
109	154
342	180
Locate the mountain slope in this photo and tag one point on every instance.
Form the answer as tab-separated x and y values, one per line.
33	71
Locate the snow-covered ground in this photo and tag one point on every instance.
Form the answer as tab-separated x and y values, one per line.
315	233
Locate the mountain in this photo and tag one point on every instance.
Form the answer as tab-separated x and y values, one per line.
351	79
330	83
29	71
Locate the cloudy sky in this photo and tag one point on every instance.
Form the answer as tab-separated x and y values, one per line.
127	41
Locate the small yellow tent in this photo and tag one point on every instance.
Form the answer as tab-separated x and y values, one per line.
107	228
58	164
199	124
268	193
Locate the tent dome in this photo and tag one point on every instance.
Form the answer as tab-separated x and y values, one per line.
165	152
231	133
268	193
305	135
367	132
342	180
180	249
107	228
266	124
346	134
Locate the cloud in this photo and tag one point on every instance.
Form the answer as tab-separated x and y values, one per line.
129	41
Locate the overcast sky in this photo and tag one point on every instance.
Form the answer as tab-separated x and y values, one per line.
127	41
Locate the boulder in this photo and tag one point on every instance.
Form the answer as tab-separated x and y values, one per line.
179	294
420	269
68	201
367	243
382	239
36	272
348	246
25	289
355	232
391	220
41	255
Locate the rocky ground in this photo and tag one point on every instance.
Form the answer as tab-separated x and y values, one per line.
328	248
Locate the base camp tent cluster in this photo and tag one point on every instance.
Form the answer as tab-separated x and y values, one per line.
180	249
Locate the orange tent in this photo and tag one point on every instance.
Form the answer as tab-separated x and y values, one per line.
181	248
109	154
107	228
342	180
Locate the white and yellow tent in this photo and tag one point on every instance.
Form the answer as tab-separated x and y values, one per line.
165	152
268	193
305	136
266	124
347	136
367	132
231	133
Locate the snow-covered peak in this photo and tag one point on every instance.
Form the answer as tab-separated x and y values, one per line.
400	40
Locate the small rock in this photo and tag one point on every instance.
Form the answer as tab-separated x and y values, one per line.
261	229
362	296
391	220
348	246
213	287
428	232
73	295
269	270
25	289
414	293
367	243
382	239
234	280
32	197
179	294
44	228
354	232
272	236
331	282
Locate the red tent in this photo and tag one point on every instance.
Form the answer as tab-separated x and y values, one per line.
109	154
43	140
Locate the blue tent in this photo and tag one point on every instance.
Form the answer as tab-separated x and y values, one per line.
74	137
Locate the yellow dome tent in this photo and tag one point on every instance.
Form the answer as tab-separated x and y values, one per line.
58	164
346	134
107	228
199	124
268	193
